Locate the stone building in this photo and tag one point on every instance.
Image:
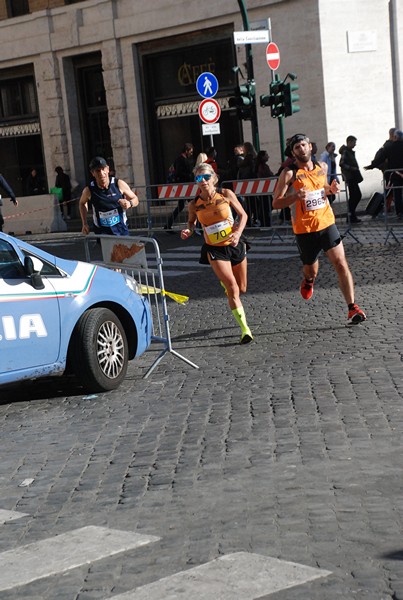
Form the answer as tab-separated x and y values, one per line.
117	78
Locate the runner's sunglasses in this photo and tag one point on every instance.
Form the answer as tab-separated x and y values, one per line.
205	176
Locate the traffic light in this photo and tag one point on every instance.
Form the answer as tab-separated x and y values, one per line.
289	98
244	100
276	99
281	98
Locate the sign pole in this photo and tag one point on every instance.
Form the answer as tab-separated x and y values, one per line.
250	73
209	109
280	119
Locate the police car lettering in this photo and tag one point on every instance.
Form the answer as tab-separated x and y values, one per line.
28	325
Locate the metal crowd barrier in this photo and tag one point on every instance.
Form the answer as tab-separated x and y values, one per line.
159	202
389	204
340	206
131	255
256	196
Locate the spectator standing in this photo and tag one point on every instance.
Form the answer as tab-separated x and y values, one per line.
110	198
285	214
9	191
328	156
314	151
183	166
234	163
392	156
35	185
383	166
247	167
352	176
263	171
200	158
63	181
212	158
247	170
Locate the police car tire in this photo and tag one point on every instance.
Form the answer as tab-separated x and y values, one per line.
94	326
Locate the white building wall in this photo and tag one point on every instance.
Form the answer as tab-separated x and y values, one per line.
358	78
341	92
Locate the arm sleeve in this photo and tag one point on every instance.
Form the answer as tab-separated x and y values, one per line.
8	189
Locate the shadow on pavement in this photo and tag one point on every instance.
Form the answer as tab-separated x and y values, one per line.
43	389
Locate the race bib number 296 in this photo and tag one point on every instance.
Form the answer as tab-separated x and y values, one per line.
315	200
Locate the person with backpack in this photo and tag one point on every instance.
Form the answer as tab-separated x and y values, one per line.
303	187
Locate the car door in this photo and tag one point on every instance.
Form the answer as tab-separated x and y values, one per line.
29	317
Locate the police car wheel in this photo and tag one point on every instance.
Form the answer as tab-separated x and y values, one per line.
100	351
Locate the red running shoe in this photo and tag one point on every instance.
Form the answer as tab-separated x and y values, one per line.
306	289
356	315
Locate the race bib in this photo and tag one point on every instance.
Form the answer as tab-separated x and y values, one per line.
107	219
315	200
218	232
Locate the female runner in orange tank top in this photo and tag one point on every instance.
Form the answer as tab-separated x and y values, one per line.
224	249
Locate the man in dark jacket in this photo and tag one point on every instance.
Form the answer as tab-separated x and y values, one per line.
384	165
63	181
352	176
393	154
9	191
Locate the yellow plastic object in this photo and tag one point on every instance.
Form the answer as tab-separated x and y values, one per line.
147	289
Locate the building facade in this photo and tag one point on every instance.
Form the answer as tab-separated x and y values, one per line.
117	78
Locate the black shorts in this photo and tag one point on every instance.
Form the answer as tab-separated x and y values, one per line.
311	244
233	254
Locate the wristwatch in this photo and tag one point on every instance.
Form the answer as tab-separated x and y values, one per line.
131	203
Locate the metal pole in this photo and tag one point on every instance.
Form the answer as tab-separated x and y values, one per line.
250	73
281	134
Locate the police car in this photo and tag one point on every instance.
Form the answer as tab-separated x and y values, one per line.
60	316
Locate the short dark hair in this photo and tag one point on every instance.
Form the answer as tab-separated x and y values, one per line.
98	162
351	138
297	137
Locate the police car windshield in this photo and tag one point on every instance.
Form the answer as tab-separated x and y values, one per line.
10	265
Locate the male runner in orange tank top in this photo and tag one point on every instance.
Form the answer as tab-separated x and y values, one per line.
304	188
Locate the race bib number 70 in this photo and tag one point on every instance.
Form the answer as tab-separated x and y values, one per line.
218	232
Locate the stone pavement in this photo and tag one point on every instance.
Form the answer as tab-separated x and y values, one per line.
289	448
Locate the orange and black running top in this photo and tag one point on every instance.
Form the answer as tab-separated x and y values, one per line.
314	213
216	219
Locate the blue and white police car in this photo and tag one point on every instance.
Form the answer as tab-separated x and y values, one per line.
59	316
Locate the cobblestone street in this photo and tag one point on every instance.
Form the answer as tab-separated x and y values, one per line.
289	448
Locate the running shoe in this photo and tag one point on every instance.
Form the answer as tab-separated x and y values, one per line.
247	337
356	315
306	289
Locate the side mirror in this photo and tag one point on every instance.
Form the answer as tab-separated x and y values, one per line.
32	268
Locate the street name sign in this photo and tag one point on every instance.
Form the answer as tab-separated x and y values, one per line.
251	37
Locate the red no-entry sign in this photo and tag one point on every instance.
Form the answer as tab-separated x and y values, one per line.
273	56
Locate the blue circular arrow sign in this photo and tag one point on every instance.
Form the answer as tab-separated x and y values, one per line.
207	85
